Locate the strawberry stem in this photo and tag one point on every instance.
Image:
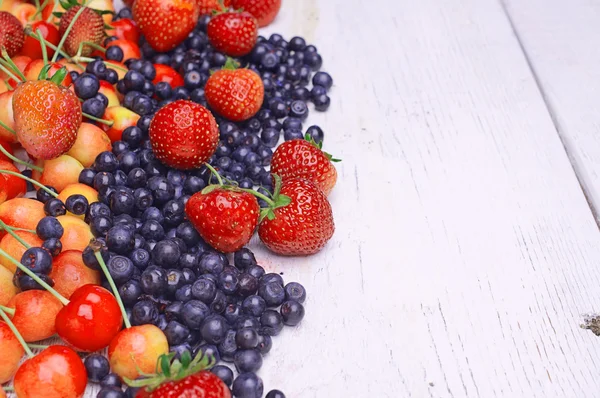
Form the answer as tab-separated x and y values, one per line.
107	122
43	46
4	126
36	278
68	30
215	173
31	180
12	233
13	328
231	64
111	282
8	310
17	160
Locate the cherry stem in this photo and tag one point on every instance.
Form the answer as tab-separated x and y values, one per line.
93	45
111	282
8	62
68	30
13	328
9	73
17	160
36	278
31	180
21	229
38	346
94	118
53	47
8	310
40	9
8	389
43	46
12	233
4	126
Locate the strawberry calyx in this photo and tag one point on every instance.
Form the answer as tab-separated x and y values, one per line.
319	145
171	369
231	64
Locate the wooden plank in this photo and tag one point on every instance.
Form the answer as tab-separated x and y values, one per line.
561	40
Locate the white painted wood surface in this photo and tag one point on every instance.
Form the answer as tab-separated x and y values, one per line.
561	39
465	252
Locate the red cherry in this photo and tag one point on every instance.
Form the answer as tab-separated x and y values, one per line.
56	372
32	47
12	352
167	74
91	320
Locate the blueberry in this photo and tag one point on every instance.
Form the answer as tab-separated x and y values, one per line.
292	312
174	281
188	260
265	343
97	68
86	86
97	209
247	360
121	178
173	311
106	161
163	90
204	290
193	313
301	93
248	385
293	134
211	262
85	177
224	373
180	349
110	380
219	303
120	268
53	246
144	312
247	285
174	212
55	207
228	346
228	282
273	293
161	188
120	239
271	277
184	293
176	333
188	275
316	133
134	80
322	102
49	227
322	79
130	292
256	271
247	321
37	260
110	392
214	329
89	258
166	253
244	258
295	291
114	53
313	60
188	233
103	180
152	213
140	258
271	322
193	184
111	76
142	105
246	338
275	394
97	367
318	91
154	280
25	282
93	107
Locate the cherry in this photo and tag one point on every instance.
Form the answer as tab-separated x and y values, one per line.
167	74
69	273
77	233
90	320
6	147
35	312
7	288
33	69
91	141
58	172
22	212
122	118
56	372
32	47
6	117
15	249
130	49
13	186
124	29
12	352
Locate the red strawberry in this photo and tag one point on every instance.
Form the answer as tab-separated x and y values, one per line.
301	227
264	11
305	159
12	35
182	378
208	6
165	23
233	33
183	134
225	218
236	94
47	116
88	27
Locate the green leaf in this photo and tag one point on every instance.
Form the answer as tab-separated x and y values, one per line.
59	76
231	64
209	189
271	215
165	365
277	188
282	201
186	359
58	14
44	72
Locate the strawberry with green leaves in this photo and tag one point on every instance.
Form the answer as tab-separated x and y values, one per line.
183	134
46	128
185	377
86	26
233	33
12	35
305	159
165	23
236	94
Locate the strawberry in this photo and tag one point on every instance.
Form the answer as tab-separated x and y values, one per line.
183	134
12	34
236	94
225	218
264	11
182	378
47	116
233	33
88	27
303	225
305	159
208	6
165	23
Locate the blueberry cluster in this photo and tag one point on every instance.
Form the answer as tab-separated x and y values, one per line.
87	86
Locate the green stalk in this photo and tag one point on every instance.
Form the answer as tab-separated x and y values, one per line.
17	160
21	229
7	128
38	346
107	62
16	333
93	45
9	73
10	231
34	182
7	389
43	46
8	310
36	278
111	282
9	63
40	9
107	122
68	30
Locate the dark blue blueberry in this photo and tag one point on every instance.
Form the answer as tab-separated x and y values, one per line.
119	147
176	333
275	38
271	323
271	277
275	394
136	178
111	76
246	338
128	161
181	93
317	91
43	196
188	260
209	350
142	199
292	312
110	380
166	253
140	258
153	213
97	68
25	282
102	98
162	322
224	373
189	276
173	311
295	291
292	123
144	123
142	105
204	290
247	321
248	285
246	183
120	239
269	61
322	103
218	59
293	74
316	133
258	52
313	59
174	281
193	80
193	184
114	53
256	271
228	282
86	86
148	70
241	152
266	154
121	178
184	293
219	303
97	209
322	79
197	95
271	123
273	293
163	59
247	360
111	392
129	98
53	246
124	220
232	313
106	161
299	109
254	305
37	260
130	292
212	263
252	159
224	163
161	188
74	75
55	207
93	107
297	44
96	367
248	385
100	225
122	202
174	212
265	343
144	312
188	233
163	90
180	349
77	204
85	177
270	137
139	239
49	227
120	268
154	280
194	312
134	80
278	108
